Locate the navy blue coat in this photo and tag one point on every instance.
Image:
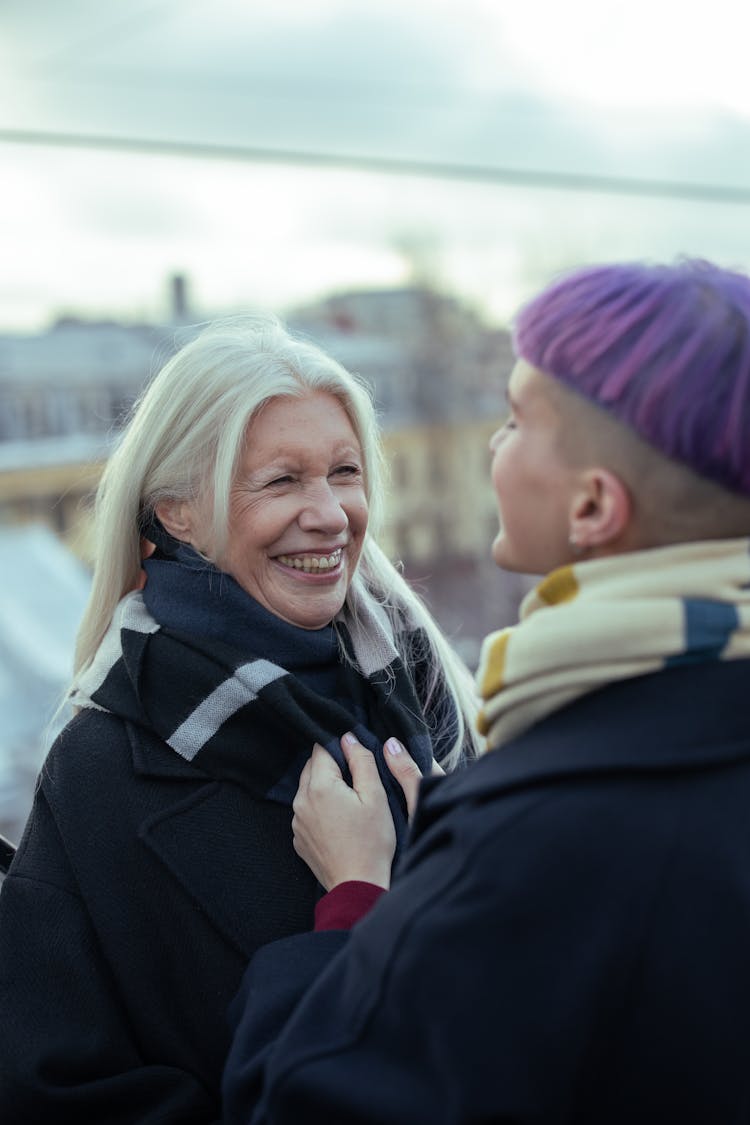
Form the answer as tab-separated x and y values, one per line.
140	889
568	939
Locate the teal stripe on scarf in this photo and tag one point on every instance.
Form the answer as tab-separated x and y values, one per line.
708	628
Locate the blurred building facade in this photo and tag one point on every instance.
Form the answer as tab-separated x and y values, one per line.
77	378
437	374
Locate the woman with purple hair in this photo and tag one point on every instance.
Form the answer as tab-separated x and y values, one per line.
567	936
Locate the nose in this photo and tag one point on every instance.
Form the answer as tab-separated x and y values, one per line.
495	439
322	510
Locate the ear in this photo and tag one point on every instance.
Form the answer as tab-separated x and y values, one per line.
601	511
176	517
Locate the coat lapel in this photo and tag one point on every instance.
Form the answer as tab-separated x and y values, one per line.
231	853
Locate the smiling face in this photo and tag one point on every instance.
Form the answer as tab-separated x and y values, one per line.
298	509
532	478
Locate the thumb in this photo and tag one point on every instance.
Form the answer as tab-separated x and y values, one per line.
405	770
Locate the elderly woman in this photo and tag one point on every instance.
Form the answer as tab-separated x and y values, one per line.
158	855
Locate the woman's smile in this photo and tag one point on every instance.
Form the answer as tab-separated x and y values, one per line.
319	564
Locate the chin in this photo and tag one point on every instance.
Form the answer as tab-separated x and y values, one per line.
501	555
316	619
503	558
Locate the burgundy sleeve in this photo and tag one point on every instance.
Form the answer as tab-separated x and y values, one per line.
346	904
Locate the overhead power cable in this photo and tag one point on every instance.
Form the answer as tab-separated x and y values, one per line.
486	173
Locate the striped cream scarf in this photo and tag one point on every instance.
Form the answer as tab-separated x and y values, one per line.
595	622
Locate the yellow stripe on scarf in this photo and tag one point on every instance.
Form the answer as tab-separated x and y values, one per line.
490	675
559	586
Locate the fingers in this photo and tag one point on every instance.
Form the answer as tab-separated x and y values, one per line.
405	770
362	766
343	832
321	769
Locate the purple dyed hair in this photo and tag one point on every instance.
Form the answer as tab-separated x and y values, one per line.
664	348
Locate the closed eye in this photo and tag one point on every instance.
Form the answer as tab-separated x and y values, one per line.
347	471
500	434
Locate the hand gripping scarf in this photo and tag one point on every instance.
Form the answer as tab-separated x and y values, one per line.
595	622
232	709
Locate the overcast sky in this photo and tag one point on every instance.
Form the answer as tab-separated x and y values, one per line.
651	91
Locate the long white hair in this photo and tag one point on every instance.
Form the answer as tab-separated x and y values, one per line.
184	441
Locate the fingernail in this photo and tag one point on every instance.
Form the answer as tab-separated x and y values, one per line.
393	746
348	738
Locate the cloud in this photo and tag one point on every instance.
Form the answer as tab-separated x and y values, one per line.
484	83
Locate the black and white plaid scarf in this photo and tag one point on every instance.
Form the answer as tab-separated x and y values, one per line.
243	695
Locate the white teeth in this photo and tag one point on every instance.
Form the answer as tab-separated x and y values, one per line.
309	563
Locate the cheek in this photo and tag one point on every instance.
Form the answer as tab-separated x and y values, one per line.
357	512
253	529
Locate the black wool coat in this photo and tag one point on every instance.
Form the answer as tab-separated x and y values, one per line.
566	941
140	889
